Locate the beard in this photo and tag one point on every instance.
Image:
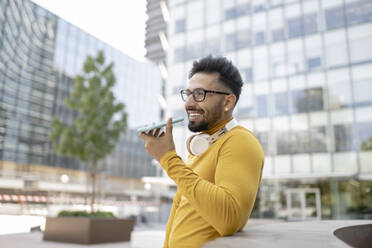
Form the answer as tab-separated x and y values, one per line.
210	119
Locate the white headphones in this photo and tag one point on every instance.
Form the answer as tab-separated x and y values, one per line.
197	144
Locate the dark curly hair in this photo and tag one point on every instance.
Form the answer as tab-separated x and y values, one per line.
228	74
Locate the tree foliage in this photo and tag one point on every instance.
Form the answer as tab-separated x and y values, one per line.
367	144
100	119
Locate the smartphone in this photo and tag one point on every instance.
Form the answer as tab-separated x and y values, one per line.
150	127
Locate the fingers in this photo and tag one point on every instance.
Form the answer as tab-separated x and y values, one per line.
157	131
169	126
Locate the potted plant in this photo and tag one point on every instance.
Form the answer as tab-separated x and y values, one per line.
82	227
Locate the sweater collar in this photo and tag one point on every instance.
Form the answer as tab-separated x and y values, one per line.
217	127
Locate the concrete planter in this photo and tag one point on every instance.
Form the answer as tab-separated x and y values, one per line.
85	230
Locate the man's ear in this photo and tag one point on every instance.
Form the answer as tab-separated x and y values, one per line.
230	102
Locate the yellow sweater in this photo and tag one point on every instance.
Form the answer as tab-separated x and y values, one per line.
216	191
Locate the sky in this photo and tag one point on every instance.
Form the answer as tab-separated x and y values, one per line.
120	23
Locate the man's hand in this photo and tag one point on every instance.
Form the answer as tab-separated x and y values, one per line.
158	146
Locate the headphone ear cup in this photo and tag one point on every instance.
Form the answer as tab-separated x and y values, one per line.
188	141
199	144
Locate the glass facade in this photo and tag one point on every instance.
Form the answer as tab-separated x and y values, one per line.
307	70
40	54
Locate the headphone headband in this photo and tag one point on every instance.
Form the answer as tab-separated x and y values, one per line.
199	143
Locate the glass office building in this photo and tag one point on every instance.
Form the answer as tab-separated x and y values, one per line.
307	68
40	54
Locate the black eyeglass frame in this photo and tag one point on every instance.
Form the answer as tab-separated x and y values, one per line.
189	92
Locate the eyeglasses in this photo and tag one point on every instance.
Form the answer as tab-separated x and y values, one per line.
199	94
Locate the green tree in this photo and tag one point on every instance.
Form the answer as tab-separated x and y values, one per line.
367	144
99	122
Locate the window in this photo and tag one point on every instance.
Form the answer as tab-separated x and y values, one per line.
299	142
277	35
230	42
307	100
235	12
244	112
259	8
359	12
313	63
243	39
294	27
259	38
298	101
336	49
247	74
281	103
362	92
305	25
318	139
315	99
261	106
180	26
212	46
310	24
360	38
343	137
335	18
194	51
263	137
179	55
365	136
339	95
283	142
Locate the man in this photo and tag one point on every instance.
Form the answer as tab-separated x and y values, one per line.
216	188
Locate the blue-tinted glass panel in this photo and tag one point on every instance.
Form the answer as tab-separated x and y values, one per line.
180	26
243	39
313	63
315	100
343	135
277	35
258	8
248	75
235	12
295	27
212	46
230	13
359	12
281	103
318	139
179	55
335	18
245	112
261	106
299	142
362	92
310	24
263	137
194	51
283	143
230	44
307	100
365	136
259	38
299	101
243	9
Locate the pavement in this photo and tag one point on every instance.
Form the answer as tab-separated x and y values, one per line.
304	234
141	238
